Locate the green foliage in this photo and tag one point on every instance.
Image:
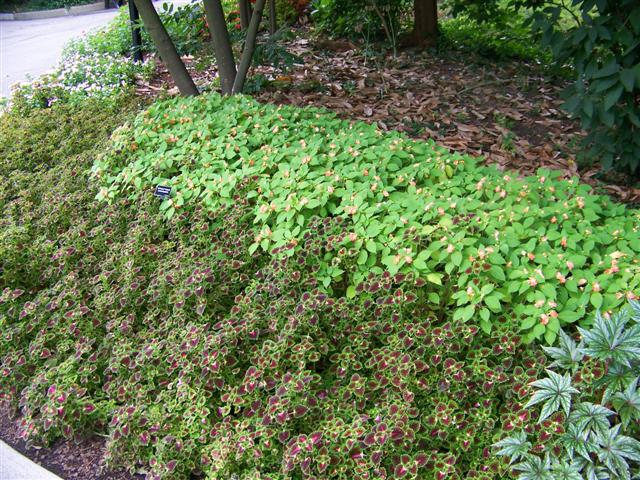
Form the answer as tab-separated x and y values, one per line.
186	26
164	326
359	18
601	45
273	51
555	391
287	11
493	40
42	155
489	245
599	432
191	354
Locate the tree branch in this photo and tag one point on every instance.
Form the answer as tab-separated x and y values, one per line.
249	47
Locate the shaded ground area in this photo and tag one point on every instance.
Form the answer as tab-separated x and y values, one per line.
508	113
67	459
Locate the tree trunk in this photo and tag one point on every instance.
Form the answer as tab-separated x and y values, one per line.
166	48
249	46
273	17
425	27
245	13
221	44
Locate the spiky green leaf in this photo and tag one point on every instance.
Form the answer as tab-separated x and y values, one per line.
555	391
515	447
609	339
567	354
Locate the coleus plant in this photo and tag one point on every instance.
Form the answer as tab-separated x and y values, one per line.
539	250
193	356
594	405
295	383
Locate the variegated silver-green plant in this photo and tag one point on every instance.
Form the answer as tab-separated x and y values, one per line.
592	391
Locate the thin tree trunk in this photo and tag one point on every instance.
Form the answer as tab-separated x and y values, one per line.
249	47
245	13
273	17
221	44
166	48
425	16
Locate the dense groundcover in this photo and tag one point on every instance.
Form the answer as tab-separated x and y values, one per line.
317	299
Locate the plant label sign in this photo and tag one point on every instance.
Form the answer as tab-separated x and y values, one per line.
162	192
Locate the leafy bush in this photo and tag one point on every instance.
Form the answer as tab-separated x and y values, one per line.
488	243
168	339
163	326
358	18
494	40
590	415
96	66
112	39
288	11
80	76
187	27
43	158
602	47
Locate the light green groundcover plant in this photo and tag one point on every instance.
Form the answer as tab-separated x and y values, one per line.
537	250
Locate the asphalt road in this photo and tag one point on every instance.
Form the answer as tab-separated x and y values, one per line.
34	46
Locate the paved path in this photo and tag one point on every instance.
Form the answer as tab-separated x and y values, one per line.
34	46
13	466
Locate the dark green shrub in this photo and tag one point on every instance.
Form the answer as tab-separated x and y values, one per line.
601	45
590	415
358	18
496	41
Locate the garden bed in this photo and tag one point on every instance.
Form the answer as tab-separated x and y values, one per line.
312	296
316	296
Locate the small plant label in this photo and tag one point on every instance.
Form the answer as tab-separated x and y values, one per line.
162	192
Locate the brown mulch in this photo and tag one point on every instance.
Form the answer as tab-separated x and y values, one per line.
507	113
82	460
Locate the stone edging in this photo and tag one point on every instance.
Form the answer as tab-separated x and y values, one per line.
13	465
58	12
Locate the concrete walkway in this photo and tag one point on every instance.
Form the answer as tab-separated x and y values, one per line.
14	466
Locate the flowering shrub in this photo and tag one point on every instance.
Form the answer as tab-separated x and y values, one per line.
93	75
595	434
99	65
538	250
